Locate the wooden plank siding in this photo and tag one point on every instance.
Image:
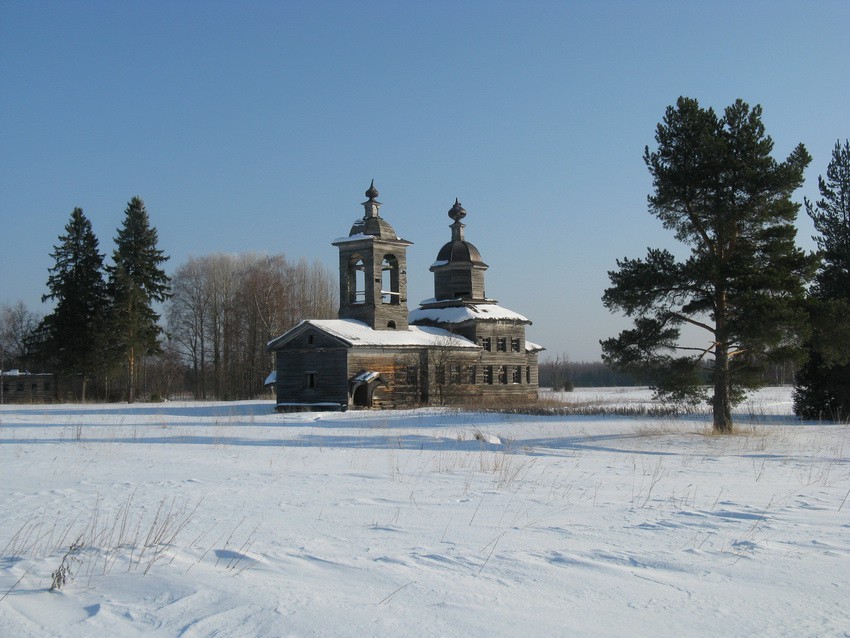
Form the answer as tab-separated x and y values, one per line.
311	353
410	376
29	388
403	371
502	349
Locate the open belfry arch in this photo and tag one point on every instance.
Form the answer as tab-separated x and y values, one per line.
458	346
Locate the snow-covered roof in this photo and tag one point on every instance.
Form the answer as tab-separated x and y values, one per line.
433	300
355	237
362	236
357	333
533	347
366	377
15	372
271	379
469	312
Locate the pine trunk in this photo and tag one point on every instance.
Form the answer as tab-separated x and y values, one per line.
722	403
131	375
722	390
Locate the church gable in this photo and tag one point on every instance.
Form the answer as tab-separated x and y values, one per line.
306	335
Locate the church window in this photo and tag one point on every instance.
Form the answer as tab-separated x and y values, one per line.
517	376
485	343
440	370
503	374
488	375
310	380
471	374
412	374
502	344
528	374
455	373
514	345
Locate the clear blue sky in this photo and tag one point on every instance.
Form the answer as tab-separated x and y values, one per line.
257	126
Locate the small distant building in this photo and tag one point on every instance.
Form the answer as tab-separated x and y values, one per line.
454	348
19	386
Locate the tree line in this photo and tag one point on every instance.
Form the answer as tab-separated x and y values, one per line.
559	373
104	338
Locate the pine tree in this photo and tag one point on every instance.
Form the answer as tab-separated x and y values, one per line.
136	282
718	189
71	337
823	383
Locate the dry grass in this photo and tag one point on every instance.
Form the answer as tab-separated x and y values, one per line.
555	407
127	536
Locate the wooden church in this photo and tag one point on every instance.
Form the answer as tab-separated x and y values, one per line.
455	348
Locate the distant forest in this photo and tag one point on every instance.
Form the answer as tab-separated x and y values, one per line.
562	374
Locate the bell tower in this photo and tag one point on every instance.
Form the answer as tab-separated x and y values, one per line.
373	270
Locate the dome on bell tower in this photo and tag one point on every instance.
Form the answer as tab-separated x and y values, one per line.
459	269
372	223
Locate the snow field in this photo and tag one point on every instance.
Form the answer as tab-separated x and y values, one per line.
227	519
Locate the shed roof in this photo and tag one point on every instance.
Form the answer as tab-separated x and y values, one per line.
530	346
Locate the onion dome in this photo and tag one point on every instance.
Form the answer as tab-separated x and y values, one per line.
372	192
457	212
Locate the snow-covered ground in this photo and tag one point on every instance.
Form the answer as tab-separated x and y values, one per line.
204	519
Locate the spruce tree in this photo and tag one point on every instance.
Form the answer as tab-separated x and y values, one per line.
823	383
136	282
71	337
728	201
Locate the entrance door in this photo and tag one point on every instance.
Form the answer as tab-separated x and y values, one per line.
362	397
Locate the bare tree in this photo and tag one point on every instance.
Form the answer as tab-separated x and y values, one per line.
450	369
186	318
226	308
17	324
